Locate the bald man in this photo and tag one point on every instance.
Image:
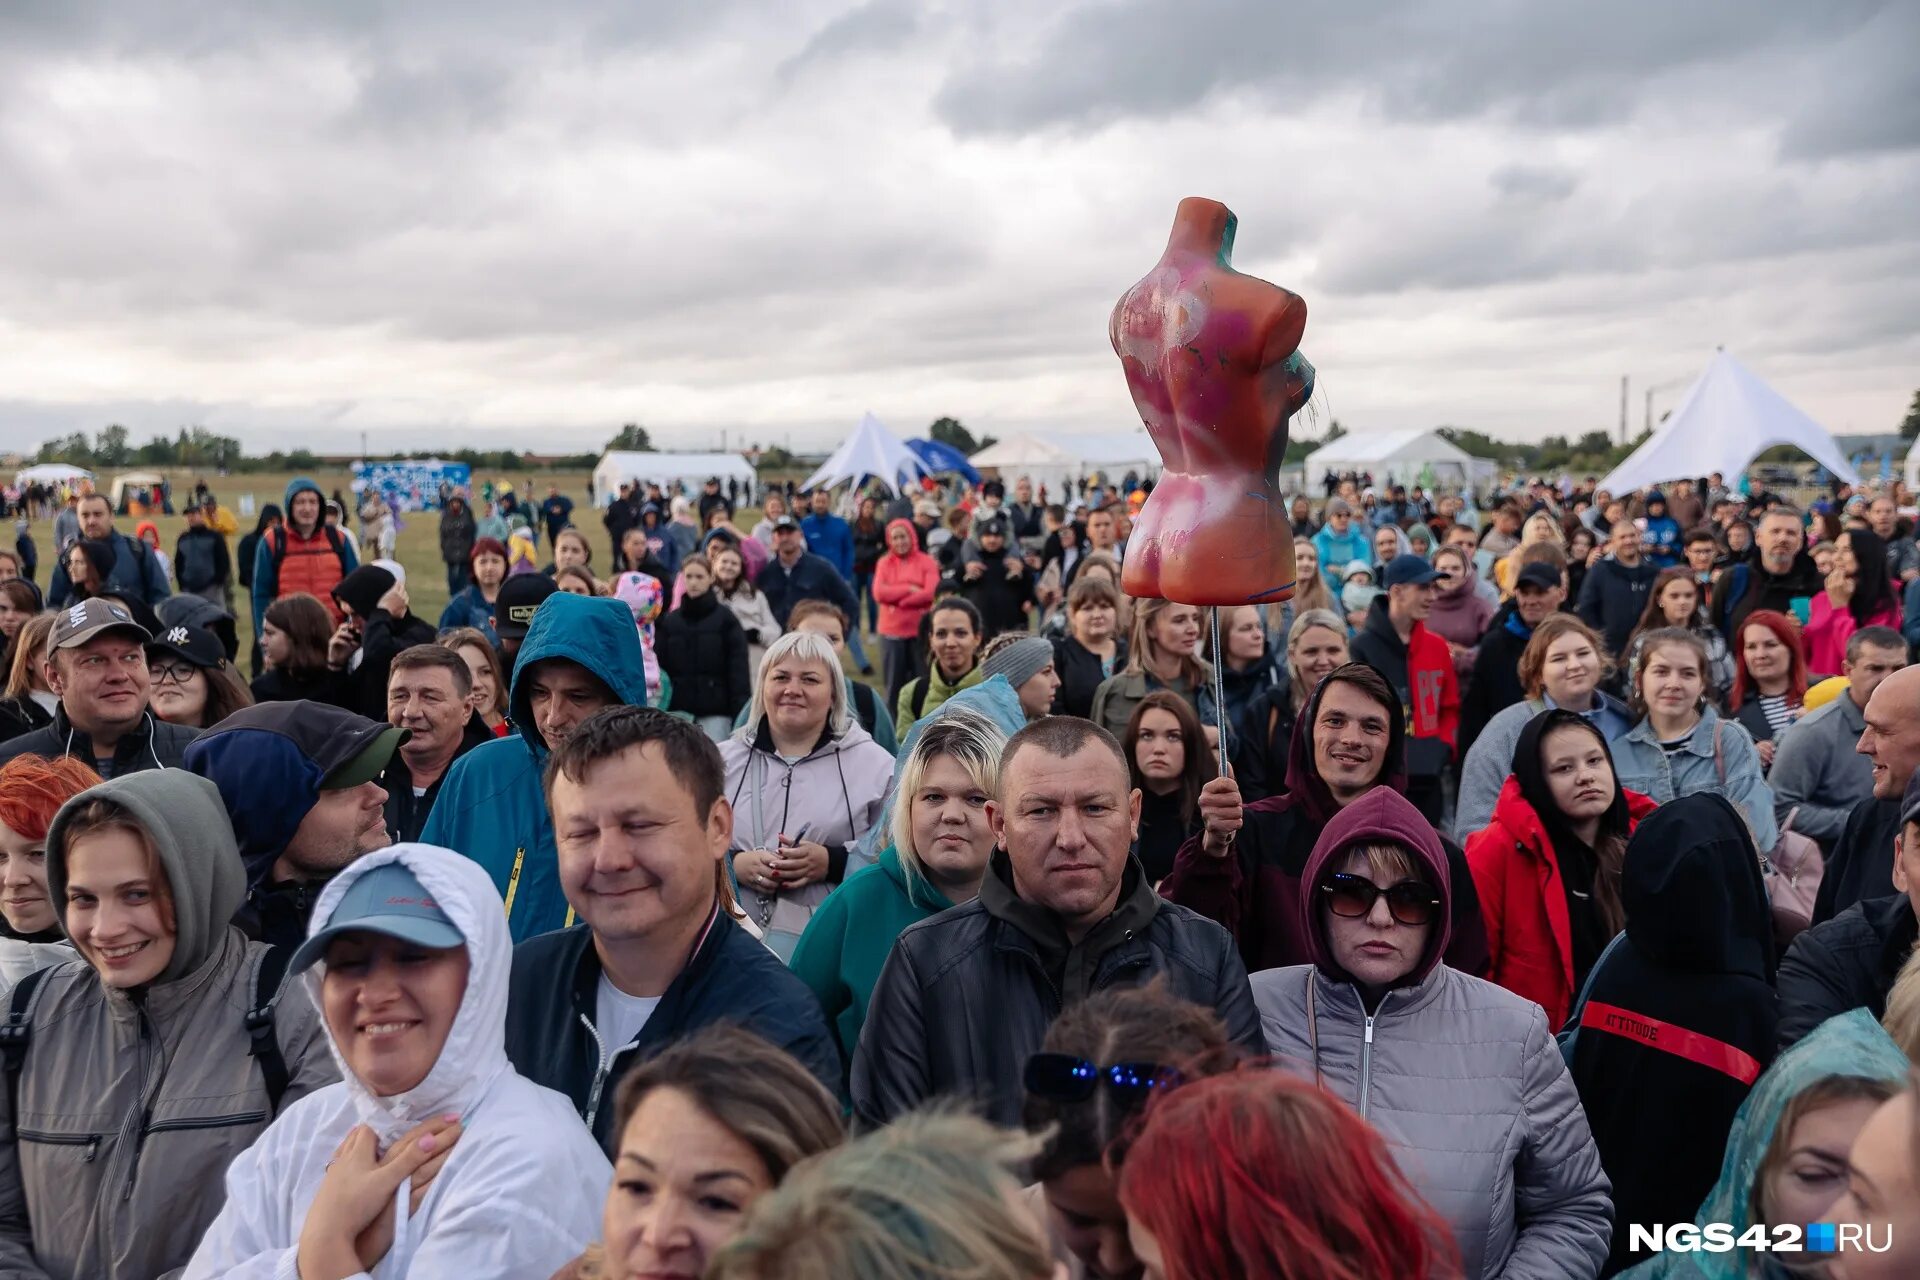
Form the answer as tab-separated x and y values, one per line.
1861	865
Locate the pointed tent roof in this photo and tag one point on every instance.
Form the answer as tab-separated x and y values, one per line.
871	450
1726	420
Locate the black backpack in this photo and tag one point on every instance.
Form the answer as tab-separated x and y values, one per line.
16	1034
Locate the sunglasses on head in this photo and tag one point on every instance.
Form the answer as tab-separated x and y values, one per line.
1409	902
1061	1077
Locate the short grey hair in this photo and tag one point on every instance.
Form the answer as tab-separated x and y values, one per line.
799	646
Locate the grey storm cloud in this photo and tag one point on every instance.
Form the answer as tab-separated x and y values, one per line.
487	219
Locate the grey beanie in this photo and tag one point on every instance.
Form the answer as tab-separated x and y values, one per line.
1019	662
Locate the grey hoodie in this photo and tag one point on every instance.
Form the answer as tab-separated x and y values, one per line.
132	1102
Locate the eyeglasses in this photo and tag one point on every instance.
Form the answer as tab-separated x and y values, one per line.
178	672
1409	902
1061	1077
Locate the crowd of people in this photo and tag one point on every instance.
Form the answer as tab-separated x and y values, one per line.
859	893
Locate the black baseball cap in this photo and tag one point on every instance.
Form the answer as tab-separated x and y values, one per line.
1537	574
519	598
785	522
194	644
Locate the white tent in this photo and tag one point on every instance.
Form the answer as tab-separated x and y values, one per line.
133	480
1726	420
1912	468
618	467
871	450
1410	456
1055	461
52	473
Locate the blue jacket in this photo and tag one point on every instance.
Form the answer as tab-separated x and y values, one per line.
812	578
468	609
1336	551
136	571
830	538
491	807
551	1004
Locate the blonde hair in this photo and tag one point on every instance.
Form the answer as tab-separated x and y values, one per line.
1140	639
799	646
930	1197
974	742
1902	1018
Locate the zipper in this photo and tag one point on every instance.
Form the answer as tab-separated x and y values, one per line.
210	1122
91	1141
599	1073
1366	1065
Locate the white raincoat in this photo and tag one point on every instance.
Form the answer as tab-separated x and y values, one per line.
522	1193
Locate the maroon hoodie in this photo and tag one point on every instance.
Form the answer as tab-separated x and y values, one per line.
1381	816
1258	890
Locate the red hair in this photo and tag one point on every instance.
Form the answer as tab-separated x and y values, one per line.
1258	1173
1787	632
32	791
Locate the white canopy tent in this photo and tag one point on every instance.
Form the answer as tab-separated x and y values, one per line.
133	480
872	450
51	473
1726	420
1912	468
1410	456
618	467
1056	461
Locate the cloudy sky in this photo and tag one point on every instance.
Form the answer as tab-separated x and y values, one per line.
491	222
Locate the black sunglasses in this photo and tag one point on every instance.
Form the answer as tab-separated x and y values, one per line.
1409	902
1061	1077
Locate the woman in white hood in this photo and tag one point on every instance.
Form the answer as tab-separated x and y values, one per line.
433	1156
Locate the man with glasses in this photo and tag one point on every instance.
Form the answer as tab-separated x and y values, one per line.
1065	911
97	665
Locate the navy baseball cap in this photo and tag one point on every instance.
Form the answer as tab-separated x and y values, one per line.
389	900
1409	570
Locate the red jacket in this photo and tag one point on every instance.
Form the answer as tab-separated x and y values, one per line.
1421	671
904	586
1523	903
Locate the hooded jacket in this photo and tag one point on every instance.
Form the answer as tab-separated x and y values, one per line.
967	996
730	977
133	1102
1698	958
1523	894
831	796
135	573
847	942
1420	669
1851	1044
1461	615
1461	1078
152	744
491	806
1256	889
314	563
522	1191
904	586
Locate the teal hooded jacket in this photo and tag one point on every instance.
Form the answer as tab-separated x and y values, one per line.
491	806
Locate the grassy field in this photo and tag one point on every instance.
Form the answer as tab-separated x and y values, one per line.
419	544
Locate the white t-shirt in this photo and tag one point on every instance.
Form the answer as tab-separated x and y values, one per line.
618	1016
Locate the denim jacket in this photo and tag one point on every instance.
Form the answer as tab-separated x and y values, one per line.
1642	765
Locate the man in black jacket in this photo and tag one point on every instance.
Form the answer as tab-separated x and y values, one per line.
1850	961
1779	572
201	563
795	574
1861	863
380	624
1615	592
97	664
427	691
1065	911
642	830
300	783
1495	685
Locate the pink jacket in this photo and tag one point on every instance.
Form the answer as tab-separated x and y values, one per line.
1828	629
904	586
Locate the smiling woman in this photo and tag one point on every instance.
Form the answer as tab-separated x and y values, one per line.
409	959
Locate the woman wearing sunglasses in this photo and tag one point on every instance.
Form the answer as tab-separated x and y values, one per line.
1102	1062
1461	1077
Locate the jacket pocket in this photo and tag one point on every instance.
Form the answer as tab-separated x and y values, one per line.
41	1137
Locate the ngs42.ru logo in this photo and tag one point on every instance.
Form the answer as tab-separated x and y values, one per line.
1722	1237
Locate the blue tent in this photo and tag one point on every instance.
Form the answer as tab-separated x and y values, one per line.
944	457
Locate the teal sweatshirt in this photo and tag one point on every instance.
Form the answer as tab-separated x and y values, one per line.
840	954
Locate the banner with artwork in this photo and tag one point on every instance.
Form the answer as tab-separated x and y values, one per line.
413	485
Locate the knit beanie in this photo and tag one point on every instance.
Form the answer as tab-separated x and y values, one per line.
361	590
1019	662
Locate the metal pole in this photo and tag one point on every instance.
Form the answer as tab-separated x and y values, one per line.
1219	690
1623	408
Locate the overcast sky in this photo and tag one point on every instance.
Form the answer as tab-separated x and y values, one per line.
515	224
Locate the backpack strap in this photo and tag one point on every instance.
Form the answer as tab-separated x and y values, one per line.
337	542
265	1046
864	705
919	699
16	1034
